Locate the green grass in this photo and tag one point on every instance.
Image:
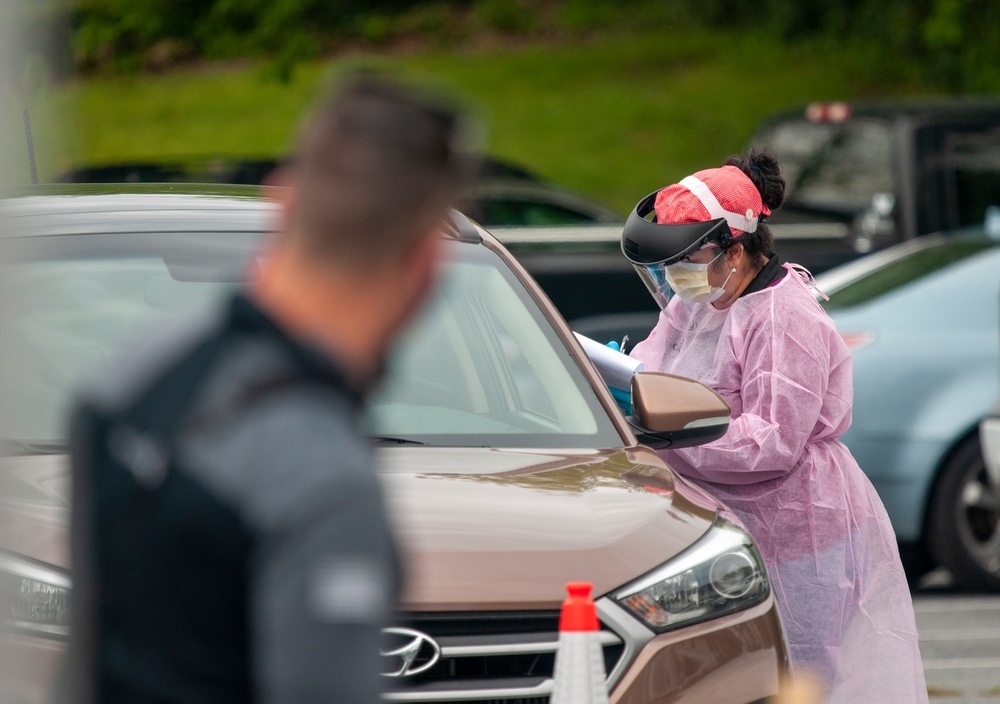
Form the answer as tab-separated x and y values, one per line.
612	117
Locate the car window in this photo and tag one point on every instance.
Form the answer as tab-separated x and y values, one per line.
72	300
834	167
903	271
484	367
68	316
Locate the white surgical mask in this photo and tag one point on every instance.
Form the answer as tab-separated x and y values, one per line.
690	281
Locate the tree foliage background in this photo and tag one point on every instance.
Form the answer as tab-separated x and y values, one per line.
952	44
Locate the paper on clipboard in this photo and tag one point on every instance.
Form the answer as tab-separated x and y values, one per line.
614	367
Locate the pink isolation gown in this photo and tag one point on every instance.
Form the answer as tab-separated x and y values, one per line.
831	554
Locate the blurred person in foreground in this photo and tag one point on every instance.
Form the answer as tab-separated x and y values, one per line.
738	319
229	542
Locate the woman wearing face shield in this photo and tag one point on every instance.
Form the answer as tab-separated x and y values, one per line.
742	322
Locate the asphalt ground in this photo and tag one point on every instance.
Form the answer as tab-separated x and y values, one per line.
959	644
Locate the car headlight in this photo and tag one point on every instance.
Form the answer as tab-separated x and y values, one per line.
34	596
723	572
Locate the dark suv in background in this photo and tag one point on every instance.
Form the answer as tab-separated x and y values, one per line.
506	196
863	177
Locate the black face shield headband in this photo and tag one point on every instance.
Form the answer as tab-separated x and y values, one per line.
646	242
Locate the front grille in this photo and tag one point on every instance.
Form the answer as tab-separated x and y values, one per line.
490	658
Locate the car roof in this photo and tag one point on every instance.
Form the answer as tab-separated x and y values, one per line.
69	213
834	279
78	190
124	208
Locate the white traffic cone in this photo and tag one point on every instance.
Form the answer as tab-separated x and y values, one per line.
579	673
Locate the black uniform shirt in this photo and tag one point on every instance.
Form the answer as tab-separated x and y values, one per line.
229	543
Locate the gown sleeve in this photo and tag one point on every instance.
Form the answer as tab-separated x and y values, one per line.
645	351
785	367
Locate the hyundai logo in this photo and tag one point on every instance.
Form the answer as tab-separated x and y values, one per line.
408	652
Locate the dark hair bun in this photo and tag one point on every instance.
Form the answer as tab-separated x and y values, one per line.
763	169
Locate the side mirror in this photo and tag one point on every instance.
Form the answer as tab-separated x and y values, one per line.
673	411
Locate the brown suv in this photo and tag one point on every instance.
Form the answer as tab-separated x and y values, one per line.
507	464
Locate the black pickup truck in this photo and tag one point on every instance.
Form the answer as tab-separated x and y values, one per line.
860	178
863	177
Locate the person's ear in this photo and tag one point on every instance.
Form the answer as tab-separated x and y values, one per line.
735	255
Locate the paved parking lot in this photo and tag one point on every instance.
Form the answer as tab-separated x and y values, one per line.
960	646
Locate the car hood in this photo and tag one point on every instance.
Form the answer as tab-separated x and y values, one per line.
479	528
506	529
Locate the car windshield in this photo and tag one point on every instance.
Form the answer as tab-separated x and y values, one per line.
832	167
72	300
906	269
482	367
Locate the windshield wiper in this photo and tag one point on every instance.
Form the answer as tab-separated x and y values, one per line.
13	447
386	440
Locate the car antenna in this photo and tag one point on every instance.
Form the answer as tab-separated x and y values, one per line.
31	147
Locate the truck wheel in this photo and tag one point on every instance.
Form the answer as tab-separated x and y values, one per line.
964	526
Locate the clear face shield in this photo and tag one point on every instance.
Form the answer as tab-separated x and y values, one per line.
654	276
658	252
688	280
